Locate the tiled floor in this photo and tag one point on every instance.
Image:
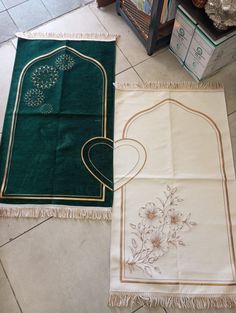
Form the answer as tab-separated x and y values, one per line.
22	15
63	266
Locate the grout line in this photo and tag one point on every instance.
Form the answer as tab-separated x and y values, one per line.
15	5
54	18
97	18
62	14
118	73
3	6
148	58
158	52
138	308
13	291
25	232
152	56
137	73
47	9
42	24
13	43
124	55
5	41
232	113
13	20
116	44
131	65
8	41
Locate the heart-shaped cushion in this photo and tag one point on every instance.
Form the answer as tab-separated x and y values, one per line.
129	159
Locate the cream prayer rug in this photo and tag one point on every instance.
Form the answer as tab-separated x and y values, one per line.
56	156
173	226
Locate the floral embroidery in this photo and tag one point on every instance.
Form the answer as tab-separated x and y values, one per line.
158	231
46	108
64	62
45	76
34	97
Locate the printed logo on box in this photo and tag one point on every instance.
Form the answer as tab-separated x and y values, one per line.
199	52
181	32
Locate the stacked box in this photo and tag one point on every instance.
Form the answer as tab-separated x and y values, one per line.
182	34
198	52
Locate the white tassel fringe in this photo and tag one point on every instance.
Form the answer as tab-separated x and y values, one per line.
36	211
170	85
67	36
181	302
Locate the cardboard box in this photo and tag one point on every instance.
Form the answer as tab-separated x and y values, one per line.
201	55
182	34
206	56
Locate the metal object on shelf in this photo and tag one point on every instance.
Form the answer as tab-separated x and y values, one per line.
222	13
199	3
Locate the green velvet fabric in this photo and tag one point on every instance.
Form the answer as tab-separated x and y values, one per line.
61	100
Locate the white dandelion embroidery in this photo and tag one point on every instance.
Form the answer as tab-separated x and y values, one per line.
45	76
46	108
34	97
64	62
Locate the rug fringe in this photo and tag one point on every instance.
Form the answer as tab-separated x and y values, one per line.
183	302
58	212
170	85
68	36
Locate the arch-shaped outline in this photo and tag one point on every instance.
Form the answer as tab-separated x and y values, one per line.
213	124
14	121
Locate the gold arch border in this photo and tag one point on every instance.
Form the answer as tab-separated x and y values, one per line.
213	124
101	197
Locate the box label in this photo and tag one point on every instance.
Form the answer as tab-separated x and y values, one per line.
182	35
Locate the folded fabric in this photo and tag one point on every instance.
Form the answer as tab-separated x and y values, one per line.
56	154
173	226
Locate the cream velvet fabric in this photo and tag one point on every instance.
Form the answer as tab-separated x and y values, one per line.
173	223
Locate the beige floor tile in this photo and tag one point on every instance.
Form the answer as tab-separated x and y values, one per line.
7	58
11	228
128	42
14	42
81	20
61	266
121	62
8	303
129	76
162	67
232	126
227	75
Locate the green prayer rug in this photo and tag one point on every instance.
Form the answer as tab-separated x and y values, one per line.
56	156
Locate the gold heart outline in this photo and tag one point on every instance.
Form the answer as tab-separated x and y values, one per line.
119	140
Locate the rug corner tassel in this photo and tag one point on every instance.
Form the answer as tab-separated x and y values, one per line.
68	36
35	211
170	85
170	301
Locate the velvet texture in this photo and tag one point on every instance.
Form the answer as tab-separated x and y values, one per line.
61	100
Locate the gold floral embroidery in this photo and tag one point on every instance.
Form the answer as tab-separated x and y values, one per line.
64	62
158	231
46	108
45	76
34	97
